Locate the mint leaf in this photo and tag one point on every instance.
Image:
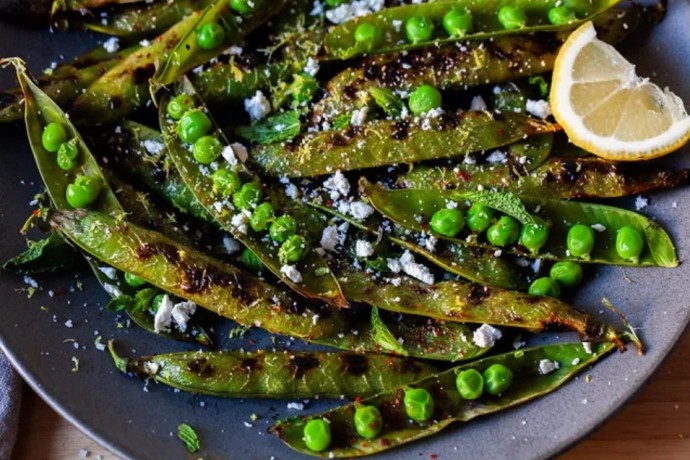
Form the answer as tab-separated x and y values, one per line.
342	121
277	128
383	335
506	202
388	101
189	437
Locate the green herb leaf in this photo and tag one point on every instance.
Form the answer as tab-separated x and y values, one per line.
538	80
342	121
506	202
187	434
139	302
383	336
388	101
281	127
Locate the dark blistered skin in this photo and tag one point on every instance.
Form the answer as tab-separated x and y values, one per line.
340	43
403	206
528	384
383	143
284	374
557	177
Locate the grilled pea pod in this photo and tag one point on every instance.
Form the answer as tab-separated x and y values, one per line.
567	177
340	41
317	281
528	383
124	88
266	374
383	143
407	206
189	53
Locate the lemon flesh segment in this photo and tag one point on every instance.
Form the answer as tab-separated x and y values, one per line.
605	108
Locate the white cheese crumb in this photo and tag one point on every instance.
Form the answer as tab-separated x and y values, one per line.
181	313
641	202
546	366
110	272
231	245
497	157
478	104
540	108
291	191
240	150
359	117
29	281
347	11
486	336
151	368
161	322
112	44
360	210
363	248
394	265
240	220
598	228
415	270
329	238
144	43
69	324
228	153
257	106
587	346
311	67
153	147
83	453
295	406
575	362
338	185
292	273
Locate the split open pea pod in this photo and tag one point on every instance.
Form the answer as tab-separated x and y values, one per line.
340	41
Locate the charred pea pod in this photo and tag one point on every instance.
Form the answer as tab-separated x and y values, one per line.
528	383
284	374
406	206
341	43
308	274
556	177
213	31
383	143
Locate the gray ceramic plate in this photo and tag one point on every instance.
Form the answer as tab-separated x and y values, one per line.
121	415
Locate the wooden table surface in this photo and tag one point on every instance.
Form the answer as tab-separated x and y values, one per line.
655	425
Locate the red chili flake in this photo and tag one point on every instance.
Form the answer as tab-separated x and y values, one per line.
463	176
433	456
358	399
329	202
36	212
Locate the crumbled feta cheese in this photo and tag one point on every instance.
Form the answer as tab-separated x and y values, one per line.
598	227
317	8
151	368
518	342
363	248
347	11
575	362
329	238
240	221
292	273
540	108
241	151
69	324
337	184
110	272
163	318
181	313
394	265
257	106
29	281
112	44
546	366
291	191
144	43
153	147
415	270
478	104
641	202
295	406
397	24
587	346
486	336
231	245
497	157
234	51
83	453
359	116
311	67
360	210
228	153
450	204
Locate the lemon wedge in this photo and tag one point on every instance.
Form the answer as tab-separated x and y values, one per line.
606	109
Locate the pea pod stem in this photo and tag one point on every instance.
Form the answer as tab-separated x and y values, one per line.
266	374
528	383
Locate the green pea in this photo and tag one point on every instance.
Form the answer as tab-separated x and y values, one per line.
629	243
497	379
210	36
534	236
560	15
282	228
317	435
54	135
504	232
293	249
447	222
457	23
545	287
251	261
207	149
156	302
242	6
134	280
303	88
567	273
179	105
423	99
368	421
580	241
470	384
419	404
261	217
479	217
512	17
368	34
226	182
82	192
248	197
419	29
67	155
193	125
